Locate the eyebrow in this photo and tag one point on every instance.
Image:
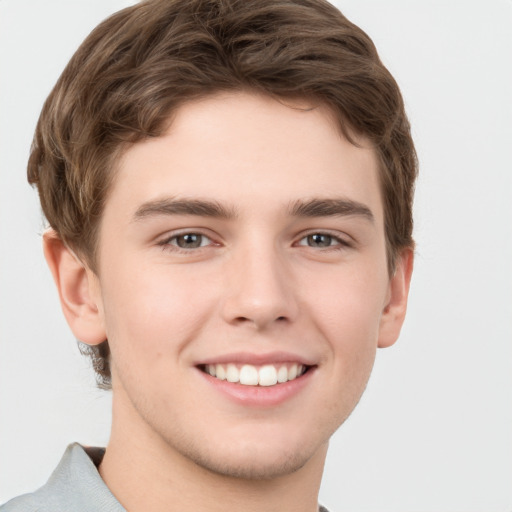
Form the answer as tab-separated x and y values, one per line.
334	207
171	206
337	207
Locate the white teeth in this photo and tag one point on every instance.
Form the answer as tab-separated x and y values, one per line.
282	374
249	375
232	373
267	375
220	372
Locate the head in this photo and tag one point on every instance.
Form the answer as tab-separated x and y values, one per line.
138	71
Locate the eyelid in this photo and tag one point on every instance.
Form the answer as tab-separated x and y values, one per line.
165	241
343	239
203	240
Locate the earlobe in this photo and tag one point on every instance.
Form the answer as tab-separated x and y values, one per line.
393	314
78	290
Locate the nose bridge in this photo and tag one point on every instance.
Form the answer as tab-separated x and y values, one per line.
259	285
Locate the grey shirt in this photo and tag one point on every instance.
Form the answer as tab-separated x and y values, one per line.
74	486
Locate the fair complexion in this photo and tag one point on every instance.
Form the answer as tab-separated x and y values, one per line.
243	287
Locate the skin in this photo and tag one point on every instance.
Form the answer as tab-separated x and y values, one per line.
258	284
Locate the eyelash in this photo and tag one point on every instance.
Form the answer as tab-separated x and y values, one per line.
171	243
339	244
167	243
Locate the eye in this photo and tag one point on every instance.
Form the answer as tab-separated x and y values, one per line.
188	241
321	241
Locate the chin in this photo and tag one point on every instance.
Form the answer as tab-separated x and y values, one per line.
247	452
252	463
263	446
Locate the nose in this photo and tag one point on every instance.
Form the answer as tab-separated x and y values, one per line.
259	289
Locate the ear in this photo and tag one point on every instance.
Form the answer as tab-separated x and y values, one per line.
394	311
78	289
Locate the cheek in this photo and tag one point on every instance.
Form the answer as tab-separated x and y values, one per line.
348	318
347	313
349	304
149	313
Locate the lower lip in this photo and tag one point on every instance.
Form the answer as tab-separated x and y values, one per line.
260	396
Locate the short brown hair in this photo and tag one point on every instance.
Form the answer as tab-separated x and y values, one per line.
138	66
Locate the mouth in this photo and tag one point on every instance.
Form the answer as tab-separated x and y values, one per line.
266	375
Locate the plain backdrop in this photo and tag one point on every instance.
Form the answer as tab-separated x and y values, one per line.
434	430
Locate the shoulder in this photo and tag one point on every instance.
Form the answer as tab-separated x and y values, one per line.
25	503
74	485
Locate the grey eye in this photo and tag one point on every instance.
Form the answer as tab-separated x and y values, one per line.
190	241
319	240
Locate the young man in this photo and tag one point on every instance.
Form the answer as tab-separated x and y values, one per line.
228	186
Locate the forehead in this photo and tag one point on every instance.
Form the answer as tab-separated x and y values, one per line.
242	148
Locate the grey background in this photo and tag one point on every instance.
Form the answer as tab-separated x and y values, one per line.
434	429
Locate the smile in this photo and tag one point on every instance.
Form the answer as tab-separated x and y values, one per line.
250	375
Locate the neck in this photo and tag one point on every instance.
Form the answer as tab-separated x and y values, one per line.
146	474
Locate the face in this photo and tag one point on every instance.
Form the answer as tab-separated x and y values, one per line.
243	284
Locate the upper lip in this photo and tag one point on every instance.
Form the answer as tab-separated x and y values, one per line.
257	359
